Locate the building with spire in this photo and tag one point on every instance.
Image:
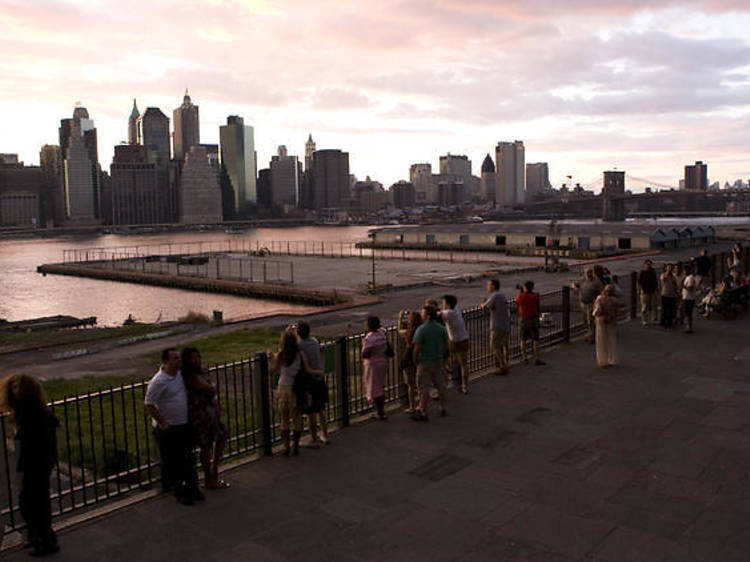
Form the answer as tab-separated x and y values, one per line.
238	162
133	125
186	127
81	173
488	180
309	150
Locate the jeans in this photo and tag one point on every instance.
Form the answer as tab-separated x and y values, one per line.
36	510
668	310
177	459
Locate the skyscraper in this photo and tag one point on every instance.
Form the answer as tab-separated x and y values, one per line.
510	160
309	150
133	125
330	179
696	177
136	197
285	179
537	179
199	194
186	127
488	180
238	160
457	168
51	162
78	146
420	176
153	133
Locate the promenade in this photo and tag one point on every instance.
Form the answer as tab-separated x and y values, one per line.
646	461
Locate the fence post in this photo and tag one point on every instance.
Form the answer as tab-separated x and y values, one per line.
566	313
262	391
633	294
342	378
713	270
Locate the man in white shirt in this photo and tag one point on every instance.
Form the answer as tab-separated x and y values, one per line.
458	339
167	404
690	286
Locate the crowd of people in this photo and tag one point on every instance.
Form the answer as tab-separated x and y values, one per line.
434	349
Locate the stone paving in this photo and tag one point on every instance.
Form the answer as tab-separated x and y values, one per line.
646	461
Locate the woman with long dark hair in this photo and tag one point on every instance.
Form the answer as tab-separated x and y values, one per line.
288	362
36	433
204	414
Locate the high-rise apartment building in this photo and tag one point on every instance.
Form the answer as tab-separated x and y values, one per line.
537	179
78	146
285	179
199	193
330	179
133	124
136	194
696	177
420	176
510	162
186	127
488	180
238	160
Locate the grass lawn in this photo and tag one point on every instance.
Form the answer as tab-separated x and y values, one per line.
32	340
231	346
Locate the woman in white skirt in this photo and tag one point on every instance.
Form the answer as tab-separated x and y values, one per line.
606	308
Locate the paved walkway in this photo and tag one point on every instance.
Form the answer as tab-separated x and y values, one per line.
647	461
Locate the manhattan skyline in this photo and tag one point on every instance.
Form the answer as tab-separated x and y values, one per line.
586	85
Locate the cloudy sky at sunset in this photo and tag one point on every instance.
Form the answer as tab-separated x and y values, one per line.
587	84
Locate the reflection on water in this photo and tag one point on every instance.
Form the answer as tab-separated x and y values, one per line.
26	294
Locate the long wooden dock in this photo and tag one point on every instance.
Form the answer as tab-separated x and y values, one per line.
270	291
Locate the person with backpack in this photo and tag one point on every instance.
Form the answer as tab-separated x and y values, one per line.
289	362
316	414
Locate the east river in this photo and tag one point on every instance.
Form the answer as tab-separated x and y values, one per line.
26	294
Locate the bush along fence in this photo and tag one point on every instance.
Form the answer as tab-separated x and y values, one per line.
105	441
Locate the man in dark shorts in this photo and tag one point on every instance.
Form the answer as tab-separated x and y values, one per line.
527	303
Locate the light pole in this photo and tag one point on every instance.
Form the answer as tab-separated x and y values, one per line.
372	251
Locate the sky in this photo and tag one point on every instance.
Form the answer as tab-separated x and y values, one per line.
588	85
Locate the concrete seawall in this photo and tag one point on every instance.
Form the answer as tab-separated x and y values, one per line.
271	291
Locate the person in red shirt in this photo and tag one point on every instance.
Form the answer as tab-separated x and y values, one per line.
527	303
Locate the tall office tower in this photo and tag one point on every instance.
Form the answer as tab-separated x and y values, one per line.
285	180
613	193
537	179
51	162
238	159
696	177
153	133
488	180
457	167
309	151
264	189
186	127
511	173
330	179
420	175
199	194
133	125
136	197
402	193
78	146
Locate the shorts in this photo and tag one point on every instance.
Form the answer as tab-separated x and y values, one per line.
459	351
529	328
689	307
410	376
430	373
498	339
